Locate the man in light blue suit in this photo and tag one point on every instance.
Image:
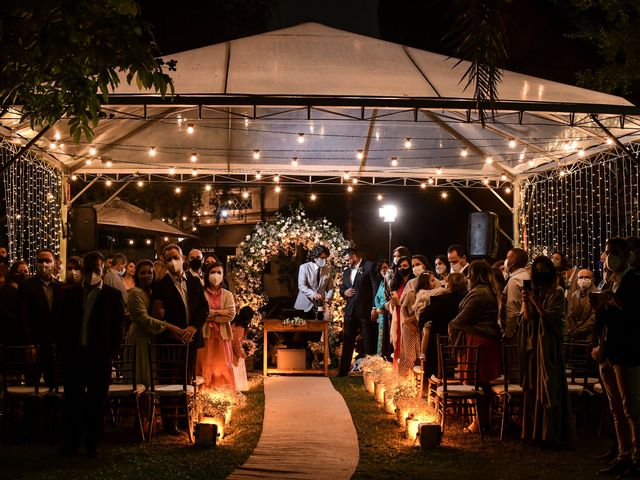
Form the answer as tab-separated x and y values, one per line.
314	283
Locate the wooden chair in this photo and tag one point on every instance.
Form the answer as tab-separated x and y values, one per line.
435	380
170	388
124	390
509	392
459	386
582	379
20	382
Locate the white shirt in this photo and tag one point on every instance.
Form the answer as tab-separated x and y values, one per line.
354	272
180	282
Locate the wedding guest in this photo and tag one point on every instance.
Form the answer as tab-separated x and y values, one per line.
378	313
581	317
195	264
442	268
357	289
314	283
74	271
58	266
160	269
569	275
511	302
129	274
145	324
39	299
11	328
90	330
239	327
477	325
398	253
210	258
393	306
215	359
113	277
547	417
457	258
617	312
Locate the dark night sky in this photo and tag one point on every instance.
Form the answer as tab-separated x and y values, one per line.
537	46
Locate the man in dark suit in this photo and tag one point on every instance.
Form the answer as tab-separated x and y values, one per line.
90	330
39	300
357	288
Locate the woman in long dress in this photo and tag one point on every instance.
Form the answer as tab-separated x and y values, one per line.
215	359
240	325
144	327
401	276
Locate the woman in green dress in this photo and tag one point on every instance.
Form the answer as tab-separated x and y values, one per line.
144	327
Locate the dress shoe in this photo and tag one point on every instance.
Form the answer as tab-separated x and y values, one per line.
607	456
632	472
616	467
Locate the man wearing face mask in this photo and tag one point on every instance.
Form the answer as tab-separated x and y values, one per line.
195	265
90	331
74	271
511	302
314	283
458	259
114	277
581	317
39	299
617	328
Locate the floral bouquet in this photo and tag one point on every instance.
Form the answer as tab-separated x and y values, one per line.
249	347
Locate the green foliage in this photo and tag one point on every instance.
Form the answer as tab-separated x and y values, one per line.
61	58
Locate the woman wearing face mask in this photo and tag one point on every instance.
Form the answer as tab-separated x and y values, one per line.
546	412
378	312
10	326
314	284
144	327
74	271
442	268
393	306
215	360
130	271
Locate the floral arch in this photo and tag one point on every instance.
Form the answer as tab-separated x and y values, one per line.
282	236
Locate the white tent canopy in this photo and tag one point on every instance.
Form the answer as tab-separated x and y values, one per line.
311	103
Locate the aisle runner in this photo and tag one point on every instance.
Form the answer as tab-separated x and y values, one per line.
307	433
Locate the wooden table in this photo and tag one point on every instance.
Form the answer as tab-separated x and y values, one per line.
272	325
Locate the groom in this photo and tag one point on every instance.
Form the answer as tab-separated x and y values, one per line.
357	289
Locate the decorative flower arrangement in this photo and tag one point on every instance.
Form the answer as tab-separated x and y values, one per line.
249	347
372	367
281	237
217	402
294	322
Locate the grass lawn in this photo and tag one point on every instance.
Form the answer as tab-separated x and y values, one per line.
385	453
164	457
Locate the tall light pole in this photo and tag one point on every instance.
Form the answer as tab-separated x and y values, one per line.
388	213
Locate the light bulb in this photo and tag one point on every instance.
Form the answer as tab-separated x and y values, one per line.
194	229
301	138
313	197
489	160
131	242
444	194
562	173
464	152
152	152
507	190
166	239
140	183
430	181
57	136
147	241
485	181
379	196
184	218
194	157
503	177
246	122
178	190
609	141
346	176
423	185
349	189
109	164
276	178
245	194
354	181
439	170
294	162
74	178
360	154
194	173
512	143
394	162
407	142
581	153
92	151
88	162
108	183
172	171
190	129
53	145
256	154
531	163
521	156
278	189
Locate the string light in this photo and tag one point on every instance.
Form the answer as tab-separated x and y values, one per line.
349	189
313	197
294	162
246	122
152	152
439	170
346	176
278	189
522	156
256	154
147	241
489	160
194	173
485	181
109	164
360	154
194	157
609	141
245	194
464	152
354	181
178	190
581	153
512	143
507	190
379	197
301	138
394	162
172	171
190	129
407	142
108	183
166	239
194	228
57	136
88	161
131	242
74	177
140	183
92	151
53	146
276	178
184	218
444	194
423	185
207	188
258	176
430	181
503	177
531	163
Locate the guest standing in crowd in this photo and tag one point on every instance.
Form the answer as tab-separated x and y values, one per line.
129	274
457	259
215	359
314	283
91	322
442	268
114	277
477	325
144	327
511	303
617	313
195	264
547	417
357	288
378	312
398	284
11	328
74	271
40	299
581	317
210	258
568	274
398	253
239	327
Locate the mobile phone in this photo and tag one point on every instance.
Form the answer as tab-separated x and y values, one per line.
526	284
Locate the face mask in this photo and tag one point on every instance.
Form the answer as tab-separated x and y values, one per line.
404	272
395	260
456	267
95	279
613	262
195	264
417	270
215	279
74	275
441	269
556	263
541	279
122	272
44	269
389	275
175	266
321	262
505	275
584	283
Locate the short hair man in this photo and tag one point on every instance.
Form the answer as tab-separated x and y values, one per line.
581	317
457	257
114	277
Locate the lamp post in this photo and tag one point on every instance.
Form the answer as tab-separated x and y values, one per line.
388	213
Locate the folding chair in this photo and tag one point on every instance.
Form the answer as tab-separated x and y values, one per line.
435	380
170	387
582	378
510	391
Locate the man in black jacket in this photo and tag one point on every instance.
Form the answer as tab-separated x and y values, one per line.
90	331
357	288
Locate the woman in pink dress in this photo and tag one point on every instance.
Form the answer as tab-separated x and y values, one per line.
215	359
401	276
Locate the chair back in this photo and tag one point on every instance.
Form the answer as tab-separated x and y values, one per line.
168	364
459	364
20	366
124	366
579	364
510	365
441	340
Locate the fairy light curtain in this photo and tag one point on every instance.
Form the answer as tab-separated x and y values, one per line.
575	210
32	190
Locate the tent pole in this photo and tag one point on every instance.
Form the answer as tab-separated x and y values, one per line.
83	190
64	224
99	207
515	212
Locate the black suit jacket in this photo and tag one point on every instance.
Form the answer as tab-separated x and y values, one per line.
38	322
619	329
174	308
106	324
360	305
